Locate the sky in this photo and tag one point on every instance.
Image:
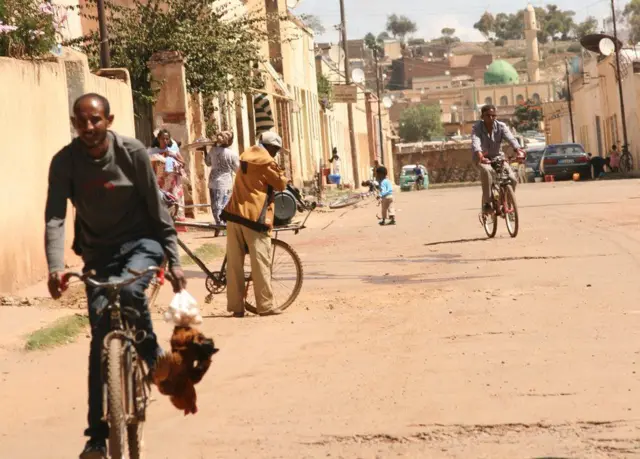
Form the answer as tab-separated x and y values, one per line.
431	16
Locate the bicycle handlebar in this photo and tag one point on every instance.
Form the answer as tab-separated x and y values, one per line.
87	278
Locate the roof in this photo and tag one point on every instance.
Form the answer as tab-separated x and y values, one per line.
501	72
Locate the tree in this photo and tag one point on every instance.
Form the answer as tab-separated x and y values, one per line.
28	29
586	27
384	36
218	48
420	122
486	25
374	44
400	26
631	13
314	23
528	116
448	38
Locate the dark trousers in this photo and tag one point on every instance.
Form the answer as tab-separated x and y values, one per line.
136	255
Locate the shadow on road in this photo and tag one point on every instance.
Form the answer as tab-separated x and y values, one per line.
457	241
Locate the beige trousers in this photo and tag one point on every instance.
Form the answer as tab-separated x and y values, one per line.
259	245
387	208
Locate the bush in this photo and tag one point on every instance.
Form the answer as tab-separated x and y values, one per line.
499	42
574	48
28	29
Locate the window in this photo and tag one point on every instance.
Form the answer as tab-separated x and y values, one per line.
561	150
504	100
536	97
488	101
520	99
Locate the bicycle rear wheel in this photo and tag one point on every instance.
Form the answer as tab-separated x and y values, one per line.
286	277
115	398
344	201
511	211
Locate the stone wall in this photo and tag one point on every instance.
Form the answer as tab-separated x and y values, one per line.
34	115
446	163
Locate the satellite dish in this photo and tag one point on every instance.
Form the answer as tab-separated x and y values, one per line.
387	102
357	76
606	46
292	3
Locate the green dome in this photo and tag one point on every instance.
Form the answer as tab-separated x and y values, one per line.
501	72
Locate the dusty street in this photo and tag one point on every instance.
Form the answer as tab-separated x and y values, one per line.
420	340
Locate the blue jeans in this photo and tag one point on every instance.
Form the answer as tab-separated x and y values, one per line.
138	255
219	200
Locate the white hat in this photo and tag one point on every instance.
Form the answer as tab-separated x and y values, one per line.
271	138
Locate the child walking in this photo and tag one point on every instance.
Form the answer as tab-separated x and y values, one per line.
386	196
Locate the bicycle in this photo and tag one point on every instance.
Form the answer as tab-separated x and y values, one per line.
351	199
126	389
286	285
504	203
626	160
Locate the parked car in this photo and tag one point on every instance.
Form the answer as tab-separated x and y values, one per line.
532	163
563	160
408	177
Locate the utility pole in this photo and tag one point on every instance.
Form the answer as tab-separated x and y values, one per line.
105	53
625	147
375	55
573	134
347	79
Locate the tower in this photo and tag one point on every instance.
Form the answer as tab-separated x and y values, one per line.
531	36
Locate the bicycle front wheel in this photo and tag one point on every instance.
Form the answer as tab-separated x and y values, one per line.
511	211
286	277
115	399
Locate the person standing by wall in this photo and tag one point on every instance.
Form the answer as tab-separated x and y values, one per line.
249	217
224	162
335	177
171	171
614	159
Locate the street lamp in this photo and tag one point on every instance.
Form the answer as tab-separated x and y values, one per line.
105	53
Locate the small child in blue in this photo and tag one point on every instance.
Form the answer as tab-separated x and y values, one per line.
386	196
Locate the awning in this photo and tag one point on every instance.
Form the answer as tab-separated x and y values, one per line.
278	82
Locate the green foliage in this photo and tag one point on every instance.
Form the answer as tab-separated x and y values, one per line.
552	23
528	116
586	27
218	48
574	48
27	29
632	14
62	331
325	91
314	23
374	44
400	26
420	122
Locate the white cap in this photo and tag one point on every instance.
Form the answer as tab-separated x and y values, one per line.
271	138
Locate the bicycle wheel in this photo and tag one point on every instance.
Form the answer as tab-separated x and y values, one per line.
489	222
511	211
286	277
115	399
344	201
626	162
138	399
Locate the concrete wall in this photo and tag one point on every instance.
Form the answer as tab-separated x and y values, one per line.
449	163
34	115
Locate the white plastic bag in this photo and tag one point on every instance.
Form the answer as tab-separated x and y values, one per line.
183	310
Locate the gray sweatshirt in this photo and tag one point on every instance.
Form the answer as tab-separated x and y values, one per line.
116	199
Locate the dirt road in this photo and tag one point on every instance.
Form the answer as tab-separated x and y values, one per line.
420	340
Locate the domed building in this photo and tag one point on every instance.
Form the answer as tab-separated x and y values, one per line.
501	72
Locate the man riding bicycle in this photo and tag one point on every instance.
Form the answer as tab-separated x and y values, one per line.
486	139
121	224
419	174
